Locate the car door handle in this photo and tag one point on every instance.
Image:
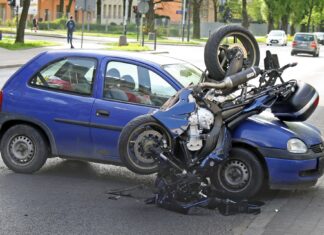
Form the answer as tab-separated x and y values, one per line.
102	113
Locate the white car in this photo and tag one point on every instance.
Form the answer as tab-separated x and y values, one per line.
277	37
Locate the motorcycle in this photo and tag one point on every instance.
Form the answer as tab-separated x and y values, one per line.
190	135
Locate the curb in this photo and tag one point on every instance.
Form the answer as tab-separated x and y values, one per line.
10	66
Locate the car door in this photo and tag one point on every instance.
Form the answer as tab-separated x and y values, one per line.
61	94
128	89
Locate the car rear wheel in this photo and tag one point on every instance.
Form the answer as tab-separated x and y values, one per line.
240	176
24	149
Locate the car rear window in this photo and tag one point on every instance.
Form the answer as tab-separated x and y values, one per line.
304	37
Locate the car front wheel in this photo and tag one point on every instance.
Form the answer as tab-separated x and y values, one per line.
24	149
240	176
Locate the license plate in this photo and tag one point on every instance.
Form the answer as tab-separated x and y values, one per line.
274	41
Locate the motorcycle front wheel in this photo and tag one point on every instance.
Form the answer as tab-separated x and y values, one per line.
222	45
135	141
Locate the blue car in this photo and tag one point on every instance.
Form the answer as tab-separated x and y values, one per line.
74	105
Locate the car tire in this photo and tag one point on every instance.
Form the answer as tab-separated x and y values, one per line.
132	149
240	176
24	149
314	54
292	53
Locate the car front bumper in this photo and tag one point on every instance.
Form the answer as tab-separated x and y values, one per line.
291	171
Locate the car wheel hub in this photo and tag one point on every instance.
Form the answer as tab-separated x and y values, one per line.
235	174
22	149
144	142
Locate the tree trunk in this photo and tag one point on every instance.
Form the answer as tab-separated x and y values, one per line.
284	23
196	4
292	29
215	3
68	9
310	14
98	11
150	17
270	22
61	8
245	22
20	36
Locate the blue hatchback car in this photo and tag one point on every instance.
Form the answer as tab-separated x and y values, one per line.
74	104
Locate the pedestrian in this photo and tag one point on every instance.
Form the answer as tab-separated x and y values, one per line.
70	25
35	24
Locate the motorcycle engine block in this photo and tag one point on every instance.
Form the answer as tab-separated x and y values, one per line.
202	119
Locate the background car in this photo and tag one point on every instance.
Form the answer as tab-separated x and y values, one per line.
277	37
74	104
320	37
305	43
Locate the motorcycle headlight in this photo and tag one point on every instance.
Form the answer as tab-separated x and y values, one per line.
296	146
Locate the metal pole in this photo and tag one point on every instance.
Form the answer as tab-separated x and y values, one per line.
126	16
183	18
155	40
83	10
188	25
141	30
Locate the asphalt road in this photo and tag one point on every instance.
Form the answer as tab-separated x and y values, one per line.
70	197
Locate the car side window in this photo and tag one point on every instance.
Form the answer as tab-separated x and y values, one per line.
69	74
135	84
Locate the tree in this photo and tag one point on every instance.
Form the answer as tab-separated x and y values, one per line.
20	36
68	8
196	4
61	8
98	11
270	14
245	21
216	5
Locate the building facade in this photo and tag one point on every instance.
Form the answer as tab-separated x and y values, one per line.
112	12
5	11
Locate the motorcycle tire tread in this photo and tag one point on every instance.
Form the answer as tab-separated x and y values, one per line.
210	54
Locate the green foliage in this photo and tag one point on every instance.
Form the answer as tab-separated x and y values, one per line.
255	8
130	47
8	43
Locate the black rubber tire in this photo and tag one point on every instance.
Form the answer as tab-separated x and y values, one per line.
124	148
314	54
211	49
292	53
38	155
251	164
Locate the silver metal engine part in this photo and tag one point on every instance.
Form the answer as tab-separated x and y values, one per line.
200	120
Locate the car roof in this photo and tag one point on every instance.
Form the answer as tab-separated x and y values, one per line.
304	33
157	60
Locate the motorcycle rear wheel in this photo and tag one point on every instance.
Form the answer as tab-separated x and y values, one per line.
218	45
136	138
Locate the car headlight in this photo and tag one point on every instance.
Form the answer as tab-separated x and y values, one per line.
296	146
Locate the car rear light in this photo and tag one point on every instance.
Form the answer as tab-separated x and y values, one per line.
316	102
1	99
294	43
313	45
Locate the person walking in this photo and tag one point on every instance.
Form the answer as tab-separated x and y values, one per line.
70	25
35	24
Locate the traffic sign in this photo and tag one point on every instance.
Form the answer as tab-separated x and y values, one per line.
143	7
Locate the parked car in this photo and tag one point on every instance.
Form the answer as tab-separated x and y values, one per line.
305	43
74	104
277	37
320	37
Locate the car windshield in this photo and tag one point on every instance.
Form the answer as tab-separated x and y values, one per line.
304	37
320	35
185	73
276	33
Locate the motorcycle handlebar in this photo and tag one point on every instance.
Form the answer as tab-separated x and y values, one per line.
234	80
